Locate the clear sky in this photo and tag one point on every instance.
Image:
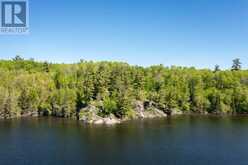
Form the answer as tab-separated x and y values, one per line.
198	33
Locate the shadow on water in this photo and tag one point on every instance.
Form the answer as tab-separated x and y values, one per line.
177	140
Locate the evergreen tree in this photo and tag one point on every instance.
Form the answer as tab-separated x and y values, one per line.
46	67
63	90
216	68
236	64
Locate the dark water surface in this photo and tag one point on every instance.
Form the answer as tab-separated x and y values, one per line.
174	141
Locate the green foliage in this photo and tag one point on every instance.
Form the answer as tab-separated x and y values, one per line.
8	104
240	100
63	102
109	106
63	90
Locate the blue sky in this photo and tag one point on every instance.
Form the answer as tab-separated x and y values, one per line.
198	33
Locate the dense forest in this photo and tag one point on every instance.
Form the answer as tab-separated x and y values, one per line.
28	87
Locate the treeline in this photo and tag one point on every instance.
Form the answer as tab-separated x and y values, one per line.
30	88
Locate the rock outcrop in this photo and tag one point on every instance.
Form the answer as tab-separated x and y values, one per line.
175	112
90	115
147	110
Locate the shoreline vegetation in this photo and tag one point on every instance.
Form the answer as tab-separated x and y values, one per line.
112	92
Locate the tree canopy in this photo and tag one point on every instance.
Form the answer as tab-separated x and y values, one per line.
62	90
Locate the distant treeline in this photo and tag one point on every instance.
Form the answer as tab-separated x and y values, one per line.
29	87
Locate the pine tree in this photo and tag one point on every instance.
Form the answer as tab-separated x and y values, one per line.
236	64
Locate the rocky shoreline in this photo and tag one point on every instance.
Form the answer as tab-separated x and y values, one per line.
141	110
90	114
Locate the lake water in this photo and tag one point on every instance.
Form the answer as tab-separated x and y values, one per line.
180	140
